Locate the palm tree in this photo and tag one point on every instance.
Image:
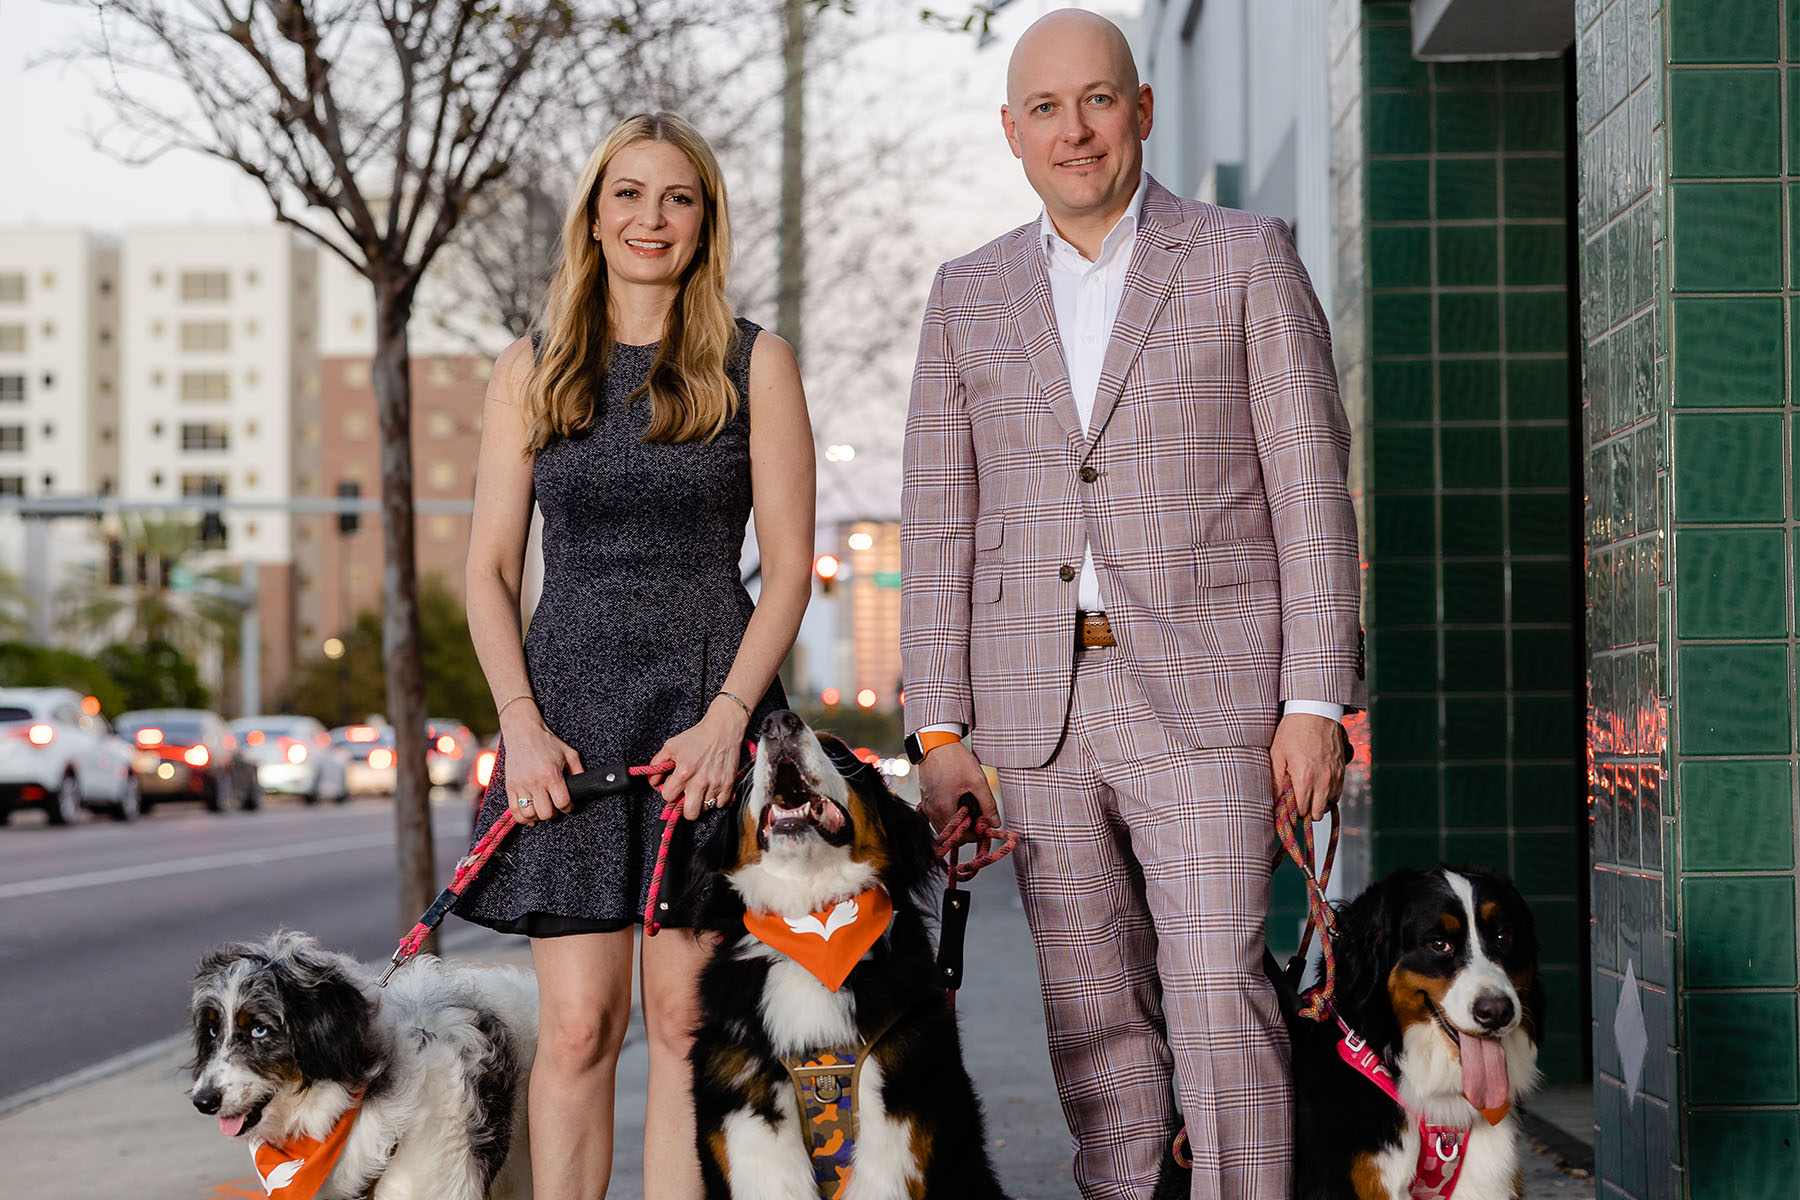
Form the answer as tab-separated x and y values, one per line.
149	557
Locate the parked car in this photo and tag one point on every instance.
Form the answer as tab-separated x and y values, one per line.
189	754
57	751
448	748
293	756
369	762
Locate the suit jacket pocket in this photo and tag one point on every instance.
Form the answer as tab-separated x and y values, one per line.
984	587
1225	564
990	533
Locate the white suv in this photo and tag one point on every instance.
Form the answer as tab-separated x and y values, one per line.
57	755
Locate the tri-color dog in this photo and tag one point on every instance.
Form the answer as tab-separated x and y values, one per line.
1441	1008
827	1060
345	1090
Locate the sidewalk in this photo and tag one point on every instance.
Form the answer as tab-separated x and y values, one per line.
133	1130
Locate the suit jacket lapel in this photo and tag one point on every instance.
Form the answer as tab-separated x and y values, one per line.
1162	237
1027	285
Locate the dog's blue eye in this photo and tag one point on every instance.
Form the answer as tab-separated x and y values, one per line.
259	1032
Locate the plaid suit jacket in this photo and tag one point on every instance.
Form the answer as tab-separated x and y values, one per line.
1210	481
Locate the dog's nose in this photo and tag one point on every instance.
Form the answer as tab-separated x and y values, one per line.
208	1099
1492	1011
783	723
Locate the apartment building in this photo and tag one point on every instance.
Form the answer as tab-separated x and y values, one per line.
219	388
59	395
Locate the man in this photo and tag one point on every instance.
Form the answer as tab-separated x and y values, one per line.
1130	570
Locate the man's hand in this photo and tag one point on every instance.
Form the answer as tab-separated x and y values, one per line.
948	772
1308	752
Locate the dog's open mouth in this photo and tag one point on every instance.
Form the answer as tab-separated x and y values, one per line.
1485	1083
795	810
244	1121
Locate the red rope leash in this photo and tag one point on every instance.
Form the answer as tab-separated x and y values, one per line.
470	867
950	839
1319	914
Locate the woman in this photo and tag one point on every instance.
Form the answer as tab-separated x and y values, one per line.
641	419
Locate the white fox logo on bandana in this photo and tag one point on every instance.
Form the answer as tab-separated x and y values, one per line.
842	914
282	1175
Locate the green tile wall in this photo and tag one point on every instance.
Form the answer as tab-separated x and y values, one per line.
1452	322
1688	124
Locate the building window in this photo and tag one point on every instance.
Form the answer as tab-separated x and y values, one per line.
205	335
250	328
49	380
356	374
442	424
356	426
48	280
106	435
12	485
105	335
106	285
49	430
156	279
49	481
12	339
156	329
251	479
49	330
250	377
249	428
443	372
12	389
443	528
212	525
205	285
106	387
12	288
12	439
205	385
443	476
156	479
212	435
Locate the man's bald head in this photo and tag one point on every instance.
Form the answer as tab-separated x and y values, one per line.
1076	117
1053	38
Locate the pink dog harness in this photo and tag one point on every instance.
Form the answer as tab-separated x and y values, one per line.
1440	1146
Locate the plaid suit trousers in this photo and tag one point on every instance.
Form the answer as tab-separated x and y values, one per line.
1144	869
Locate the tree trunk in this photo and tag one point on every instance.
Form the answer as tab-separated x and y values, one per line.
403	670
790	288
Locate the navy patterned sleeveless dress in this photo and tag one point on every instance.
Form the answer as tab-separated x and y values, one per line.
641	615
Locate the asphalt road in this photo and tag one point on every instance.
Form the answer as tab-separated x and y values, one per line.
101	924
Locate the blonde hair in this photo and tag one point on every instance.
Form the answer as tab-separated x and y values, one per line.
691	396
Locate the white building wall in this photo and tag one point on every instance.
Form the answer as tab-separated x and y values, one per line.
249	386
1243	110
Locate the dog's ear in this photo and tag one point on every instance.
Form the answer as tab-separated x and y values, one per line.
1369	933
328	1017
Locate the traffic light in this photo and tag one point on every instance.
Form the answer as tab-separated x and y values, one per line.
348	489
826	567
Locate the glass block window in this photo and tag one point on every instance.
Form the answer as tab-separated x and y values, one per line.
205	385
12	288
205	285
211	435
12	339
12	389
12	439
205	335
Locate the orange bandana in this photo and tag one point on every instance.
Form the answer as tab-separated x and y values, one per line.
830	942
296	1170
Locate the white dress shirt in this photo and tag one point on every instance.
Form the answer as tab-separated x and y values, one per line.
1085	295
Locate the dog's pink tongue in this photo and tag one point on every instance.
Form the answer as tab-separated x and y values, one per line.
230	1126
1484	1073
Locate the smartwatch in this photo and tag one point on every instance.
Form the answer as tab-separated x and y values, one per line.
918	745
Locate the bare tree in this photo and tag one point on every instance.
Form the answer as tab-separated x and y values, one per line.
375	126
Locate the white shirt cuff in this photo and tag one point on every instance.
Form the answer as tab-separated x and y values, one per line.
1318	708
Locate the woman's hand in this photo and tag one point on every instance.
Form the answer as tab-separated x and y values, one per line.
706	759
535	762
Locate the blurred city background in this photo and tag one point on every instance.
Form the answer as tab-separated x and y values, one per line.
1556	242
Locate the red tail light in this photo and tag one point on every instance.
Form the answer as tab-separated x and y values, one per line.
149	737
196	756
484	767
254	737
295	752
361	733
448	747
41	735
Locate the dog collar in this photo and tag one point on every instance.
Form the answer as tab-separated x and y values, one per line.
296	1170
830	942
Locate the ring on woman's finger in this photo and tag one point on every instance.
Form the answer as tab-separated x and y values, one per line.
523	802
713	802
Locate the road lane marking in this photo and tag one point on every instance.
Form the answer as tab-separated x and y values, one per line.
202	862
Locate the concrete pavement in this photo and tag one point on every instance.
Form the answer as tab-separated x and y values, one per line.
126	1127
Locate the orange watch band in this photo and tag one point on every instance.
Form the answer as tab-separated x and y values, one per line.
931	739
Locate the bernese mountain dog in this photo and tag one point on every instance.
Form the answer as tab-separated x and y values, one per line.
827	1061
1408	1092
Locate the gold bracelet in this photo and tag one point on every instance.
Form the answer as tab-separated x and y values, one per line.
737	702
510	703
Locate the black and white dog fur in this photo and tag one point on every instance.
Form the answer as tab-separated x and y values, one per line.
1427	962
816	827
286	1032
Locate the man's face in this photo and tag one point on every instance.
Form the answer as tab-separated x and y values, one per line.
1076	121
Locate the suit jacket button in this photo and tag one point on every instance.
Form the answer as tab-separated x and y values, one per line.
1065	572
1088	474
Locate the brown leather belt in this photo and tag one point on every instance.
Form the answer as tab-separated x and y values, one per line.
1093	630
